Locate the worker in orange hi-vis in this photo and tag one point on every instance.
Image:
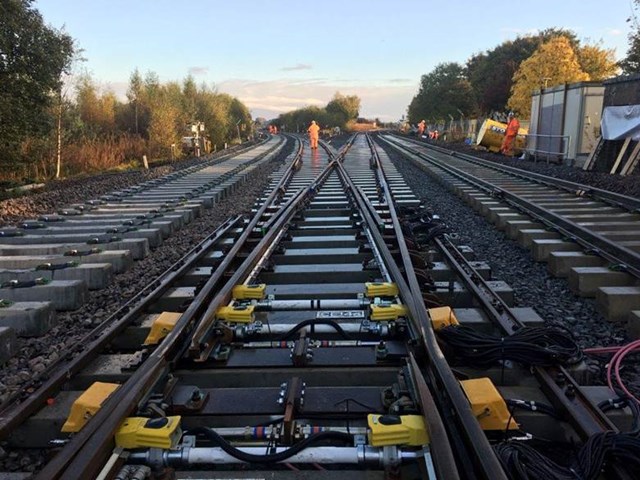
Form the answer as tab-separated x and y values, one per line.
421	127
314	131
513	125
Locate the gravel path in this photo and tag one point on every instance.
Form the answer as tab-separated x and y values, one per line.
532	284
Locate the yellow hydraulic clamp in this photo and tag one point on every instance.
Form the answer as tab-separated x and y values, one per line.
140	432
236	313
380	289
442	317
250	292
397	430
86	405
161	327
387	312
488	405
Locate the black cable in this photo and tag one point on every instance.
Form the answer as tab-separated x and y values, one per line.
532	406
313	322
273	458
540	346
523	462
623	401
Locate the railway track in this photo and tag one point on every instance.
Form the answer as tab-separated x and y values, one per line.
338	331
51	263
587	235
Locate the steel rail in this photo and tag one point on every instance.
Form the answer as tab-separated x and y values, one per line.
485	457
87	451
87	349
35	394
583	413
588	239
200	346
556	382
444	457
82	465
580	189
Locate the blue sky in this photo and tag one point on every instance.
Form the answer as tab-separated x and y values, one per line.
282	54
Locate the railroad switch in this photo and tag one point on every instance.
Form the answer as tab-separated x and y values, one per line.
249	292
140	432
87	405
387	430
387	312
381	289
442	317
488	405
236	313
161	327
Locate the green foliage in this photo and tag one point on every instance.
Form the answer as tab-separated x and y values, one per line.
487	82
491	72
631	63
342	109
444	92
337	113
94	130
33	57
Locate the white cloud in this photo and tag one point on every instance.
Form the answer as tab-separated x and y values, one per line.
198	70
299	66
614	32
271	98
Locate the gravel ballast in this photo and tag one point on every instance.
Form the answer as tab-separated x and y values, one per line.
532	284
36	354
628	185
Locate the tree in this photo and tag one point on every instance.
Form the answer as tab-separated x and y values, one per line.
553	63
165	123
33	57
631	63
444	92
343	109
240	117
597	62
491	73
134	95
97	111
189	94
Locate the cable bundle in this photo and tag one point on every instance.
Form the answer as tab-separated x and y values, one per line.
521	461
614	379
539	346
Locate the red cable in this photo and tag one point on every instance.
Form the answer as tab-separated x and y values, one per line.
616	361
613	368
